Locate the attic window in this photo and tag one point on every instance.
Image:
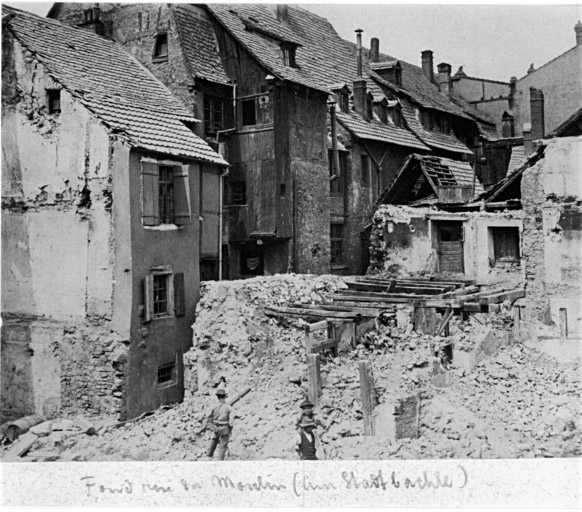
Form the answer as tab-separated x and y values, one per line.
161	47
397	118
288	55
54	101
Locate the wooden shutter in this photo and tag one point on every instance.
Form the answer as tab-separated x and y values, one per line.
148	298
179	294
149	194
182	209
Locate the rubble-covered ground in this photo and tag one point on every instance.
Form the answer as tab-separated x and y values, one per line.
521	402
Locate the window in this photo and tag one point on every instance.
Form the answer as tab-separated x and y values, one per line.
238	193
337	244
365	165
160	295
249	112
344	102
397	118
165	194
161	47
336	185
164	294
288	52
54	101
369	108
167	373
505	241
213	114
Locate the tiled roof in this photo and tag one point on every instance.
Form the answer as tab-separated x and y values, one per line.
199	44
375	130
516	160
113	85
462	171
432	139
570	127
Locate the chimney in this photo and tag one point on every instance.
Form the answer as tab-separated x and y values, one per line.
536	102
531	69
427	65
578	30
360	88
512	89
91	20
444	78
374	49
507	128
527	143
282	13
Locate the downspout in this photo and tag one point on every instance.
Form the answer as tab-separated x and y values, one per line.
336	161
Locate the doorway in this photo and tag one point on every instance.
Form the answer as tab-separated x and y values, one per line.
450	247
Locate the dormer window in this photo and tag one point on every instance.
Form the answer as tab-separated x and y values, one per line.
288	51
54	101
391	71
161	47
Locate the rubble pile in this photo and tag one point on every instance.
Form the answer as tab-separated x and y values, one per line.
510	401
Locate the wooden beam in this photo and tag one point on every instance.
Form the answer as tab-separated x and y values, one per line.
278	311
446	318
317	326
313	378
502	297
368	394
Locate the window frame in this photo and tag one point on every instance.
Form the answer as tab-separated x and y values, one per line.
173	374
157	56
166	206
242	192
496	241
333	247
211	125
175	297
53	96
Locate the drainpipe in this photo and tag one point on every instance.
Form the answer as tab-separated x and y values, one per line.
333	119
220	202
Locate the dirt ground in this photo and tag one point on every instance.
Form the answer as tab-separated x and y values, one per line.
520	402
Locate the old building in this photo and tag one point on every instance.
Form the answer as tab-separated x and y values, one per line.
261	77
558	82
101	200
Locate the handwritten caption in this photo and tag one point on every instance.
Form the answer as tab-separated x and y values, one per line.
299	484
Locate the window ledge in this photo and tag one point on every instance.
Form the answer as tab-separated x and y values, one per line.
160	59
339	267
167	385
164	227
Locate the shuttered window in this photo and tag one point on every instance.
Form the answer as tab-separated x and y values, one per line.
165	194
164	295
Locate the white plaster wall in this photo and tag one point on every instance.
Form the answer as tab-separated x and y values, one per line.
563	167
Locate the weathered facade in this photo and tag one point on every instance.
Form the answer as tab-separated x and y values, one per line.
100	233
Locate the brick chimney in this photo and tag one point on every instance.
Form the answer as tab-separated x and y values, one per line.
374	49
536	102
512	89
578	30
91	20
444	78
507	128
427	65
280	11
360	87
527	143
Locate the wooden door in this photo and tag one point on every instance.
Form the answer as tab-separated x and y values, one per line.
450	247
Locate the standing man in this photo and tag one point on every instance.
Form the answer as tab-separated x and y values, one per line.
307	412
219	421
306	440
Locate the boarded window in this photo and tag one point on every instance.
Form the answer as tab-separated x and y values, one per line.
249	112
505	243
161	47
337	244
213	114
54	101
365	165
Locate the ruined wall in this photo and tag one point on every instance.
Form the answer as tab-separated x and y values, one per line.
404	240
551	196
561	81
57	245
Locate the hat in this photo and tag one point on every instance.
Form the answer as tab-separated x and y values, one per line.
221	392
306	422
306	403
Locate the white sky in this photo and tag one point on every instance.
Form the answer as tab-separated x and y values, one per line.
490	41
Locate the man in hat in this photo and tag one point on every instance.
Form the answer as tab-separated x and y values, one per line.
219	421
306	440
307	412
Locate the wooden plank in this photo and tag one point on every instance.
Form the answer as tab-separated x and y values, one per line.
371	287
360	310
368	394
317	326
421	290
502	297
361	304
473	307
234	400
275	311
318	346
438	303
313	378
20	447
446	318
466	290
382	295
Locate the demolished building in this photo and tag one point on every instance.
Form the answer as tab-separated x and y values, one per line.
100	205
